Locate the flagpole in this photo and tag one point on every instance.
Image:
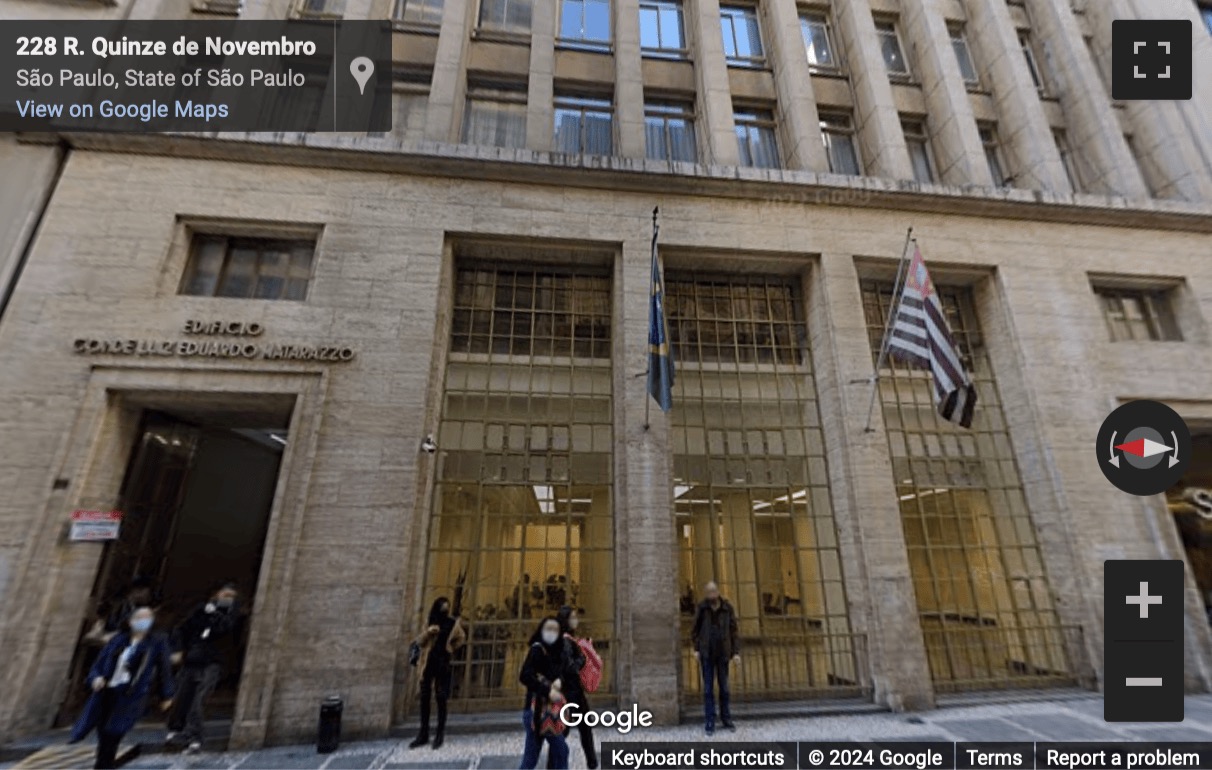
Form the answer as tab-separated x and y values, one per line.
879	363
656	228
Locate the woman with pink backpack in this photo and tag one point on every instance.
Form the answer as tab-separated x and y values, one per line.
591	674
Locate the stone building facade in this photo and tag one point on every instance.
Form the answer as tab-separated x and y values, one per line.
243	342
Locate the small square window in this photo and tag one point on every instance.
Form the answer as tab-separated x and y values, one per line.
248	268
1138	314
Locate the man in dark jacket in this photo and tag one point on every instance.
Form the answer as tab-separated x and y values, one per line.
716	644
197	644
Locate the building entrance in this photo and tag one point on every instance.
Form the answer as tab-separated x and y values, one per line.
1190	503
196	498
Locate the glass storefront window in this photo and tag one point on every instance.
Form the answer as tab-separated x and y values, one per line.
522	520
752	505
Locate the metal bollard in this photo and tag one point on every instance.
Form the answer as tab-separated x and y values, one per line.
329	733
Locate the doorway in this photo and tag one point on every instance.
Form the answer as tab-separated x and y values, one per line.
196	498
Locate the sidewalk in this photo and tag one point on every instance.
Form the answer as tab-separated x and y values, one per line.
1076	717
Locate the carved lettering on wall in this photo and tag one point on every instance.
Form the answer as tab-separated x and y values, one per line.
241	347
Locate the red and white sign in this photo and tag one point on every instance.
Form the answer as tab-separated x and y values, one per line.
94	526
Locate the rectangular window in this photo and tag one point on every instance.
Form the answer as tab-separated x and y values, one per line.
495	117
585	22
522	519
1067	159
424	12
1037	76
505	16
669	130
963	55
662	28
818	42
742	36
993	155
756	139
983	597
409	103
584	126
322	9
837	131
1137	314
248	268
890	45
918	142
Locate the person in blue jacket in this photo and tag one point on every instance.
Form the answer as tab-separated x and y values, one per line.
121	680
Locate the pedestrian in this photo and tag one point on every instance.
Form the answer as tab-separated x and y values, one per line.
197	648
121	680
574	689
715	646
551	662
442	637
140	593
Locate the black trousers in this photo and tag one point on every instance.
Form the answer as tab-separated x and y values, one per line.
591	755
435	680
107	742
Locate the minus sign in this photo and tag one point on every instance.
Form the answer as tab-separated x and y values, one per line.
1142	641
1143	681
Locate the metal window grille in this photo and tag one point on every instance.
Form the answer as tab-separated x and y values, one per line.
522	518
752	503
984	601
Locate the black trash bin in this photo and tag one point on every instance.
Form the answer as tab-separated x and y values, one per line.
329	734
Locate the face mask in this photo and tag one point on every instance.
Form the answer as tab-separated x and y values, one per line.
226	603
550	637
141	625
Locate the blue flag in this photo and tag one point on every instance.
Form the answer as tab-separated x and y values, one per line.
660	352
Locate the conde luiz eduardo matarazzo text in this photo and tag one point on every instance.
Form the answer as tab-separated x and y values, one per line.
215	339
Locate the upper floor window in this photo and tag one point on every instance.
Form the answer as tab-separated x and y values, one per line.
963	55
1037	75
495	117
585	22
584	125
756	139
890	45
248	268
818	41
409	104
505	15
837	131
662	28
1138	314
427	12
1067	159
669	130
742	35
918	143
321	8
993	154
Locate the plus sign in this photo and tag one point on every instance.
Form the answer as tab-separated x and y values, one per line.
1144	600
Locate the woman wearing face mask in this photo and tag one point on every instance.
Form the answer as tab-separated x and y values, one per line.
121	679
550	664
569	619
442	637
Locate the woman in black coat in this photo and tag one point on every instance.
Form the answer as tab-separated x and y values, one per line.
550	665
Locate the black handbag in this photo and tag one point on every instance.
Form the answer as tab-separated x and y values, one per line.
414	653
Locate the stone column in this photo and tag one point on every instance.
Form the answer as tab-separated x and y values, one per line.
881	142
801	129
1092	128
879	583
540	97
628	80
717	125
448	85
1032	160
646	549
956	142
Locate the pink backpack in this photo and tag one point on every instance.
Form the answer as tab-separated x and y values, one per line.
591	673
